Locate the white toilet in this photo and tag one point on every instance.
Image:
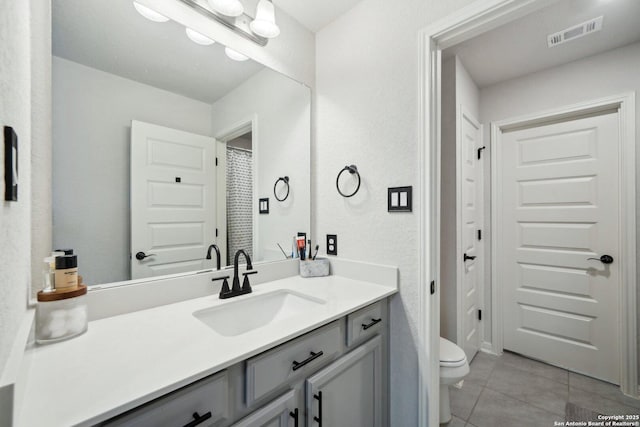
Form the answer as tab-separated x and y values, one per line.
453	368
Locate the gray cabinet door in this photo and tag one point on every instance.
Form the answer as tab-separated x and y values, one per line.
281	412
349	391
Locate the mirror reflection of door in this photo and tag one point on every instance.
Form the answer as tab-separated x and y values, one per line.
173	200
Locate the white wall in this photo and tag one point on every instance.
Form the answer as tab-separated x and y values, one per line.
367	106
610	73
15	217
459	92
281	147
92	113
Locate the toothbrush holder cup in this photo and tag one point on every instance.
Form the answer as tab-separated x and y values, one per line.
317	268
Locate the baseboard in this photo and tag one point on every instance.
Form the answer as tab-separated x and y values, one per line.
487	347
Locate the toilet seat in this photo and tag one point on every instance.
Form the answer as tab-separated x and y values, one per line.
451	356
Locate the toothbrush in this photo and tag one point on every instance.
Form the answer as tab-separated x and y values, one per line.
282	250
314	257
294	247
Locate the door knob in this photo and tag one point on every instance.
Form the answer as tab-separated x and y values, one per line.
605	259
468	257
141	255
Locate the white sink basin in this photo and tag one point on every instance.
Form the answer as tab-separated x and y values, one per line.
238	317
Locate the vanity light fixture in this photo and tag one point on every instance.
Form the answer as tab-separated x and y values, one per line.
236	56
218	10
227	7
198	38
265	23
149	13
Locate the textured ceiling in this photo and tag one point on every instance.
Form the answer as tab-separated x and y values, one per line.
520	47
315	14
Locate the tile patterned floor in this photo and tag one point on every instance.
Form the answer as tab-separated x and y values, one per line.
511	390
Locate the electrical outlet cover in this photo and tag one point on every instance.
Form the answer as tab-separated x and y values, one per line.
332	244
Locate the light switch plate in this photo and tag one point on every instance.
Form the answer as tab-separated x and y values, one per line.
332	244
399	199
263	206
10	164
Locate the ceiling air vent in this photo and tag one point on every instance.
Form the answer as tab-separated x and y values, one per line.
575	32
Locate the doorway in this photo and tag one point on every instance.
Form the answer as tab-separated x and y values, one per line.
474	22
239	191
237	150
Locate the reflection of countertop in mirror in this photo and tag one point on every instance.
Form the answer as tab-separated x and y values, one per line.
130	359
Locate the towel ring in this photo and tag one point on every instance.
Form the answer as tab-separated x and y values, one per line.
352	169
286	182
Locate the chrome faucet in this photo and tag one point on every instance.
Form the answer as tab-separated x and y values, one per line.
236	290
217	255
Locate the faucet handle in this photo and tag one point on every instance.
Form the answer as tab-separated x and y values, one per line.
246	287
225	285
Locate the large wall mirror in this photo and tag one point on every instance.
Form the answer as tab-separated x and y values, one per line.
163	146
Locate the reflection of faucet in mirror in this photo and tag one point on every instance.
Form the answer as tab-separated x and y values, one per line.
217	255
235	288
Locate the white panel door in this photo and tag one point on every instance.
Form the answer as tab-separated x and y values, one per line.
173	200
470	220
560	207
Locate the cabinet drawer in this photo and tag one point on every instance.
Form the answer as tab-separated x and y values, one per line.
365	323
207	396
269	370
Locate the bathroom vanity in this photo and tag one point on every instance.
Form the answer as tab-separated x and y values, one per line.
317	376
294	352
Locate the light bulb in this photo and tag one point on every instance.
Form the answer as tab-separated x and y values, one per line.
236	56
227	7
265	23
198	38
149	13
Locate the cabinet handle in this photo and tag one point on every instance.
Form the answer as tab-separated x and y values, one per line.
373	322
318	419
314	356
294	414
198	419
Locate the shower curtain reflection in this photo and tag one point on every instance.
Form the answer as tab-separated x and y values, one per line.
239	206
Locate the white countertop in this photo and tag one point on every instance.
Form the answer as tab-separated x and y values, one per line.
130	359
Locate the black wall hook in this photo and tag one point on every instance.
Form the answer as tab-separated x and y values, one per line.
352	169
286	182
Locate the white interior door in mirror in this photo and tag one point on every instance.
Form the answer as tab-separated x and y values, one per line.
173	200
